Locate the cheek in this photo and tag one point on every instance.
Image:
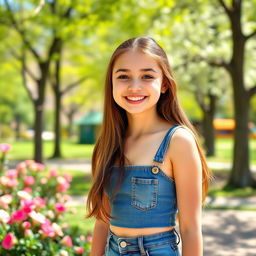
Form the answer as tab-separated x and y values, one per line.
116	92
156	86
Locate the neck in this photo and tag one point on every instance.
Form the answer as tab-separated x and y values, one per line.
144	123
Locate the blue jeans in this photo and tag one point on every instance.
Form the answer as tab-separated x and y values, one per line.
160	244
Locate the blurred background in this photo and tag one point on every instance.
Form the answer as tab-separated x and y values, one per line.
54	55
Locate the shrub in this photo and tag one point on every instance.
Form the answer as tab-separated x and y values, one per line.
31	207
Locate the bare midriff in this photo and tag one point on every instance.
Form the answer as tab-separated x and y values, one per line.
128	232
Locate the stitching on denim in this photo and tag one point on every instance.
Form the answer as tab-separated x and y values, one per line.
113	247
153	246
153	199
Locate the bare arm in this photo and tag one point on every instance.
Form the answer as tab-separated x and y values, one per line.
188	178
99	238
100	233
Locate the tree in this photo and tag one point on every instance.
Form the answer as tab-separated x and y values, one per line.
240	173
230	55
42	57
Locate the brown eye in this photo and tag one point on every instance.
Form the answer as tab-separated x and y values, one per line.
148	77
122	77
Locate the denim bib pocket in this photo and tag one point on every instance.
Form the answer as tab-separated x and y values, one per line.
144	193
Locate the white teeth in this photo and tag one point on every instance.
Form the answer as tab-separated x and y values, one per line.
135	98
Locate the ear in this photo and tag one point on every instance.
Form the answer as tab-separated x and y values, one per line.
164	86
163	89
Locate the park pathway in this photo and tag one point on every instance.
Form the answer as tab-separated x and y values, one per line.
229	233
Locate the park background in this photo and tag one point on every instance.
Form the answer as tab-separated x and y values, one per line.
54	56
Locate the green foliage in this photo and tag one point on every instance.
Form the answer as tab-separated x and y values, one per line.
14	101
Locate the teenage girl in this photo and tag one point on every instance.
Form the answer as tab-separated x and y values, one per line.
147	163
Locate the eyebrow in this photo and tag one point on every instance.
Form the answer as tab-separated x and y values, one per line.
128	70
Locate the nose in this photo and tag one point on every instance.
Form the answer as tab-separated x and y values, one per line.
134	85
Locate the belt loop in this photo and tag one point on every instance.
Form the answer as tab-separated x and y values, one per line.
177	236
141	246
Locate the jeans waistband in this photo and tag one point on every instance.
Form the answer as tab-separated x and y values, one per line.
139	243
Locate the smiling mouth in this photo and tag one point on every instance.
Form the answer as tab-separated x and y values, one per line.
135	99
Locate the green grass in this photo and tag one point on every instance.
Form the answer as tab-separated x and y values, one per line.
77	219
229	192
237	208
224	150
22	150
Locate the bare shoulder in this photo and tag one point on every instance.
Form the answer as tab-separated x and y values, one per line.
182	144
183	137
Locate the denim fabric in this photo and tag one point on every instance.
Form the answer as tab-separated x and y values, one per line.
146	197
164	244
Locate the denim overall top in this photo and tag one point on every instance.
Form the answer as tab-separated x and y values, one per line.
147	196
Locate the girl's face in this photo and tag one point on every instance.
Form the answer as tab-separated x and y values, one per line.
137	82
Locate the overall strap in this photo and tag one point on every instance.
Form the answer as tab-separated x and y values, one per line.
159	156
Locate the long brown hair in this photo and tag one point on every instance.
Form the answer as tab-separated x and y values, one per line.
110	143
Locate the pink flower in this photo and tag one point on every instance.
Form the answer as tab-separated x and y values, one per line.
4	181
29	180
57	229
89	239
4	217
37	217
63	187
78	250
67	177
28	189
26	225
39	202
53	173
82	237
61	180
60	208
24	195
4	148
29	162
47	229
36	167
18	216
66	241
12	173
63	253
13	183
21	168
50	214
28	232
5	200
9	241
27	206
43	180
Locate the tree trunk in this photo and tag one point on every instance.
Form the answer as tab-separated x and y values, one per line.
57	127
58	96
38	129
240	175
208	128
17	127
39	112
70	124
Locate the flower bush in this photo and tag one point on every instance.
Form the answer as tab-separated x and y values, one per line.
32	203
